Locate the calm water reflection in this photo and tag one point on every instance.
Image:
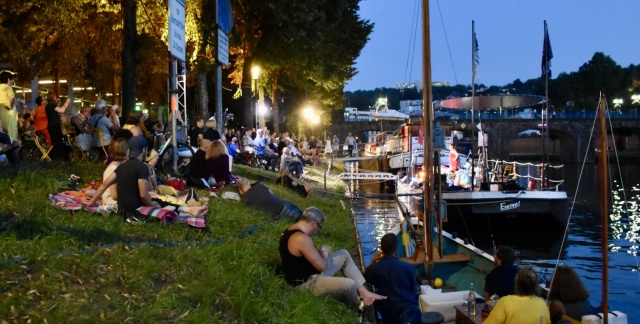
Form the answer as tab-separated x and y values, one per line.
581	248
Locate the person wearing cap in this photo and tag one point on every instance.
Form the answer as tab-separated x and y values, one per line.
98	120
132	179
310	269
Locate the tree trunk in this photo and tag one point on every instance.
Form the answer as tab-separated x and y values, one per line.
129	57
247	94
202	108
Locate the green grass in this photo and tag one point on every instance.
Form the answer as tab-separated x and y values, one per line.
64	267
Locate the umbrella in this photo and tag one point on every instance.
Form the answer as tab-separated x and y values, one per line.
390	115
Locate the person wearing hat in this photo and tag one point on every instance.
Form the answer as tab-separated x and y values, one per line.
132	179
8	115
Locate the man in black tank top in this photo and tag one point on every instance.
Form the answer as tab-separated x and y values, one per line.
309	269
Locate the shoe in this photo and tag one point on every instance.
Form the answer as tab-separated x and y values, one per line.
134	220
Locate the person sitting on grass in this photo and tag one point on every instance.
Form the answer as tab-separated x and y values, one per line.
259	197
199	174
290	164
218	163
132	179
118	151
8	148
310	269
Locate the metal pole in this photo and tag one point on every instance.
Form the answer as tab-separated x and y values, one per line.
218	85
174	109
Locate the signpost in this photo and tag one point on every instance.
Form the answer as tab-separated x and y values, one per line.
177	50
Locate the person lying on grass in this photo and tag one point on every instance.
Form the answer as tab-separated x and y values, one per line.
132	179
259	197
308	269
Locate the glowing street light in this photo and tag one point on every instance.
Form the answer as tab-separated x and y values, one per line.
617	102
635	101
255	74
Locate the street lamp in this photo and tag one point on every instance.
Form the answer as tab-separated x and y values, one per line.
313	118
255	74
261	111
617	103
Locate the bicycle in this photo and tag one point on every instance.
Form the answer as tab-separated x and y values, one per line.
165	159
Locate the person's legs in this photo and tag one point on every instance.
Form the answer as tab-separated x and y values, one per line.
340	288
290	211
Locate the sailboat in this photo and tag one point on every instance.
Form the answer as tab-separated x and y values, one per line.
443	259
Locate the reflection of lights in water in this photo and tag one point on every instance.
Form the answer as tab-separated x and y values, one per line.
625	228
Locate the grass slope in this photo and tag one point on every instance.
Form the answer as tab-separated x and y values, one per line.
63	267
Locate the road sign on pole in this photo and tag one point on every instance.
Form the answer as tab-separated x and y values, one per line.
177	42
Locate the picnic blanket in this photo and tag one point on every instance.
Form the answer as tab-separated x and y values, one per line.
76	200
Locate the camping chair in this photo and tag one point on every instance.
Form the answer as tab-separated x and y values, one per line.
42	146
77	154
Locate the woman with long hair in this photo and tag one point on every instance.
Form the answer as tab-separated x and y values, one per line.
219	163
568	295
119	153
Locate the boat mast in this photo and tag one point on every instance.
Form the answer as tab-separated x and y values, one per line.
604	206
545	109
473	100
427	113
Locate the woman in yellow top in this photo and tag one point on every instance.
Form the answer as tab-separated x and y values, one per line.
525	307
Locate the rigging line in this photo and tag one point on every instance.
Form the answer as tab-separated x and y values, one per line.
455	76
412	40
624	192
575	196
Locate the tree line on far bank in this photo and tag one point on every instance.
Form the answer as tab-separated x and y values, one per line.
581	88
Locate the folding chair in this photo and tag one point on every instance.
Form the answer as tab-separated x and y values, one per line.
77	154
42	146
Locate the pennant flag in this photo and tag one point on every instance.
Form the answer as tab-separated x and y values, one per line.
547	54
476	57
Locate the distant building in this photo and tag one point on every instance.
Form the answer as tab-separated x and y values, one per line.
352	114
418	85
410	106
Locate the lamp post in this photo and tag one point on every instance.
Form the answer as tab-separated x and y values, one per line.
261	111
635	101
617	103
313	118
255	74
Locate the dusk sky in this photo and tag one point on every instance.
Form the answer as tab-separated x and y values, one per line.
510	36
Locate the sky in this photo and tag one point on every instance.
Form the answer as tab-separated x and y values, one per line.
510	36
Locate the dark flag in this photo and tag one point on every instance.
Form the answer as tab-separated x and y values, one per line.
547	54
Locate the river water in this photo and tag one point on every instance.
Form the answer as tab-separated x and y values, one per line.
581	249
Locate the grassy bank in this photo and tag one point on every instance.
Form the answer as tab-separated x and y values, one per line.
60	267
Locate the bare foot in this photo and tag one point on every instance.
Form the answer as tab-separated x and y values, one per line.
368	297
194	211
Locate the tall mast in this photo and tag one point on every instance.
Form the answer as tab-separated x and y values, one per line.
427	114
545	109
604	206
473	100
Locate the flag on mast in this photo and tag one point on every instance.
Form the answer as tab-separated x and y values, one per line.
547	54
475	54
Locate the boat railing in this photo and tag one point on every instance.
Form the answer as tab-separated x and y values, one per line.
501	171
